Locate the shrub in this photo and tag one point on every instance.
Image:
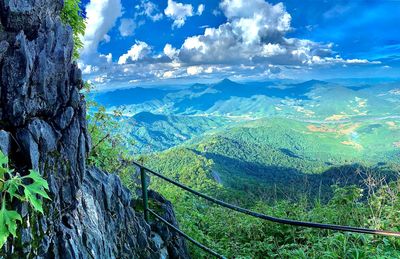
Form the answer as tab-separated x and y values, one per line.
30	188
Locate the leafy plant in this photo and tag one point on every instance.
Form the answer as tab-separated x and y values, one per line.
73	16
239	236
110	145
30	188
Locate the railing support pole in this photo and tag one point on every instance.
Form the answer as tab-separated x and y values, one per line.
144	194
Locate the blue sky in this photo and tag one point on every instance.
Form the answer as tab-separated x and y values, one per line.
130	43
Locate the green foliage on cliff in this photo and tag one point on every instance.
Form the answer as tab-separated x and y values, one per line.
30	188
239	236
109	145
72	15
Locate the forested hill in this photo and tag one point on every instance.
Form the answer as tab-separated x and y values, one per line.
170	117
288	169
277	154
283	148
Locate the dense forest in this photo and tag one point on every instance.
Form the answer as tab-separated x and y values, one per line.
252	167
295	153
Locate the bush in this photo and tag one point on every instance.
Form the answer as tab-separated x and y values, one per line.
30	188
73	16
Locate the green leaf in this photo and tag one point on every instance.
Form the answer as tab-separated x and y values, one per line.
3	159
33	200
36	177
37	188
11	186
3	164
8	223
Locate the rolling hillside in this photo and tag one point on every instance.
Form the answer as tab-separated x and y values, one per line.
155	132
316	151
282	153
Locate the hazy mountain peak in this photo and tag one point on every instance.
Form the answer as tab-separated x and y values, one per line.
315	81
227	81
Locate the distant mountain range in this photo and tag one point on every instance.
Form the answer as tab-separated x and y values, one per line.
158	119
310	99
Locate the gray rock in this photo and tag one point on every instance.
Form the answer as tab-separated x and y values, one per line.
5	142
3	48
174	243
63	120
30	148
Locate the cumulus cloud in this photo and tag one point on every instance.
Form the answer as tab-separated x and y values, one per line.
252	43
101	17
88	69
107	57
200	9
127	27
256	33
179	12
194	70
138	51
150	10
170	51
253	27
145	9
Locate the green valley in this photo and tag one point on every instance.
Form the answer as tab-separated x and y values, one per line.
287	149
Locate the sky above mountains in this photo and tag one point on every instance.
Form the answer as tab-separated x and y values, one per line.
130	43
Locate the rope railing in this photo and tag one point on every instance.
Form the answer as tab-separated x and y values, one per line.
143	171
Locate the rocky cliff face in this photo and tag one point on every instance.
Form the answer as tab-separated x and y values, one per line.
43	126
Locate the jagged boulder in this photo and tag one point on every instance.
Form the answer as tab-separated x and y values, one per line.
170	240
43	126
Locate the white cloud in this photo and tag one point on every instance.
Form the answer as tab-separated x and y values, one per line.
107	38
138	51
101	16
317	60
255	33
200	9
88	69
107	57
168	74
100	79
216	12
127	27
170	51
337	10
150	10
194	70
254	28
209	70
269	50
361	61
252	44
179	12
144	9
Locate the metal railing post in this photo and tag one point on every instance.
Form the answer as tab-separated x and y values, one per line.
144	194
